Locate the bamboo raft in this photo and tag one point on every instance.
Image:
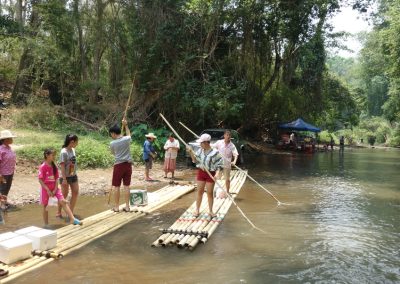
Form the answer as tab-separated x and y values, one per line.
188	231
73	237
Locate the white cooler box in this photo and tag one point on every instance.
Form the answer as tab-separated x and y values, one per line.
14	249
27	230
43	239
8	235
138	197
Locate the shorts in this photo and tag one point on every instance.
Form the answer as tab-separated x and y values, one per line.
122	172
227	173
148	163
203	176
70	180
44	197
5	187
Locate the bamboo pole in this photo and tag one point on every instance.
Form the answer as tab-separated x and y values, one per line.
251	178
216	183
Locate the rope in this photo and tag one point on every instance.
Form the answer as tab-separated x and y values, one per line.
216	182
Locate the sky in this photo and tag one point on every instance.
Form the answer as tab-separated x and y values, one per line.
350	21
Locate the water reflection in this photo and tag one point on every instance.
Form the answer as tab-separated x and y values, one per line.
342	226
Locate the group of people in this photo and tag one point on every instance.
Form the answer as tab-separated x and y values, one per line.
212	161
49	177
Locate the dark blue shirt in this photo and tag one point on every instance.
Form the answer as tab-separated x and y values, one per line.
147	149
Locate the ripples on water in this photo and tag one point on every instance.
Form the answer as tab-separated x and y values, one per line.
342	227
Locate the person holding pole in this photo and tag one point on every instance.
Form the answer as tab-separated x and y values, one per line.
122	170
227	150
206	159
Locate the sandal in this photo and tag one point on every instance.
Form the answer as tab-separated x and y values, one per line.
126	209
77	222
212	215
115	210
195	215
3	272
59	215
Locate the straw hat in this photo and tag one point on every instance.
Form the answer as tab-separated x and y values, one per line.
4	134
151	135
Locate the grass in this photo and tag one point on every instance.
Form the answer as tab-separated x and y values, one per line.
92	150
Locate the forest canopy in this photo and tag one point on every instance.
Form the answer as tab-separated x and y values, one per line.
207	62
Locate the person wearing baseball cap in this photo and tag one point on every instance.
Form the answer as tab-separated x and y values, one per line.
8	160
206	159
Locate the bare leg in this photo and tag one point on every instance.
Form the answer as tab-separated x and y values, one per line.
45	216
67	210
200	188
227	184
116	198
127	192
210	197
146	174
64	189
74	195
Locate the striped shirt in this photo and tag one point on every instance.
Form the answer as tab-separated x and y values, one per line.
209	159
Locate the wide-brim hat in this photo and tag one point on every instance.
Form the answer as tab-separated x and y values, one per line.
4	134
151	135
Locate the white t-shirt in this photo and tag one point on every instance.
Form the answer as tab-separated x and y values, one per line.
227	151
170	152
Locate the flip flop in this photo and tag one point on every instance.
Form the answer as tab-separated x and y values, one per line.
59	216
3	272
115	210
195	215
213	215
126	209
77	222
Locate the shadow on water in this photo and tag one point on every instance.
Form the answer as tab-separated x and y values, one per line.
342	226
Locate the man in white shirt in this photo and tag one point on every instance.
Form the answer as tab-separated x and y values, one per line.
227	150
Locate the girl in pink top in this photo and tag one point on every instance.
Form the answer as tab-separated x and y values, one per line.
48	179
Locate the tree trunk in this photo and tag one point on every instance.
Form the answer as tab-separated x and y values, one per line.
23	84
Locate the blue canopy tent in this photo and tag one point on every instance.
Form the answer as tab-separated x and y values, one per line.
299	125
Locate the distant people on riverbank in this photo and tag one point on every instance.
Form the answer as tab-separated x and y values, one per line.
48	179
149	154
122	170
206	159
331	143
227	150
68	166
8	160
341	142
171	148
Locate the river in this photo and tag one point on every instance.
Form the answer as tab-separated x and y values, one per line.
339	224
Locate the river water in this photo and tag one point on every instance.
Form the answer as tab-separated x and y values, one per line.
339	224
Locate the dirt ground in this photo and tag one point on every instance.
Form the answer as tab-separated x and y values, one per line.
25	188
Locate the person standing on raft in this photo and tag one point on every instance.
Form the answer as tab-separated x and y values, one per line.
122	171
227	150
206	158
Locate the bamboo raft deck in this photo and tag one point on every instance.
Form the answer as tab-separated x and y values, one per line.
188	231
73	237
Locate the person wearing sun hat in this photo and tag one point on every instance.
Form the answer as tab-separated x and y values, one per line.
8	160
206	159
148	155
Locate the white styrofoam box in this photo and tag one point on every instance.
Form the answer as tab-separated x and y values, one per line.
43	239
15	249
8	235
27	230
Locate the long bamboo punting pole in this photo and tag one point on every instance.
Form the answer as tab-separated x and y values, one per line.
216	183
250	177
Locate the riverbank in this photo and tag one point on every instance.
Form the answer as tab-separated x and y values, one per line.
26	189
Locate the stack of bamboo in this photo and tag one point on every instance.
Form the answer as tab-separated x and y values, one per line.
72	237
188	231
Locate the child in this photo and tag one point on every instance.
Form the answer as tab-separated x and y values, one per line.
68	166
48	179
122	171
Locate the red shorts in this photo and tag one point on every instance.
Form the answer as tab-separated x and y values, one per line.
203	176
123	172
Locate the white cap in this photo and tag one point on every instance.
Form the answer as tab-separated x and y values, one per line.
204	137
